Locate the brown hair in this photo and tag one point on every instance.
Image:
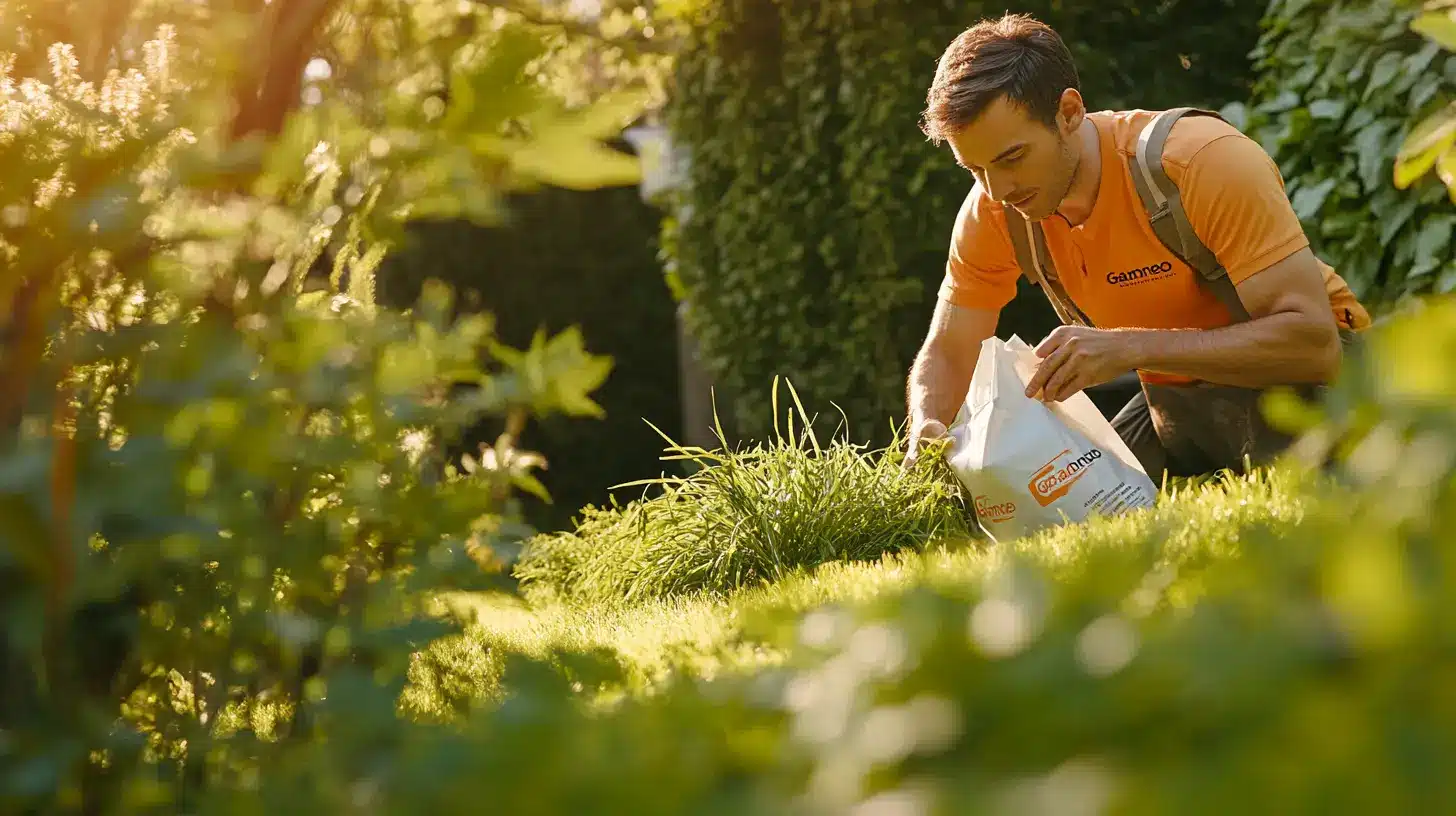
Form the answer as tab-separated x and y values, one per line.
1016	56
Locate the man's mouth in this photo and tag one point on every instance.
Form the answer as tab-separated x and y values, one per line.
1024	200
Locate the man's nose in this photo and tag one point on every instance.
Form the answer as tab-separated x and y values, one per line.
999	185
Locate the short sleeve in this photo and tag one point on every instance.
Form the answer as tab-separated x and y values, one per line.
1236	202
981	270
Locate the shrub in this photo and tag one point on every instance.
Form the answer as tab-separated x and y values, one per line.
1340	87
563	259
812	233
746	517
223	502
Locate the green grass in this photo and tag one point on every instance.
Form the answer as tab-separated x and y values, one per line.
750	517
705	634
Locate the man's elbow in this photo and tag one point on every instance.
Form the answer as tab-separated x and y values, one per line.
1325	351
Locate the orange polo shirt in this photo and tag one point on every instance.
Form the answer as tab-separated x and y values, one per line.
1113	266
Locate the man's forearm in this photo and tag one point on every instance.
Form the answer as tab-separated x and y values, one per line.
938	385
1280	349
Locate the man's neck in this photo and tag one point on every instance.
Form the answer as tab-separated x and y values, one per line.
1081	197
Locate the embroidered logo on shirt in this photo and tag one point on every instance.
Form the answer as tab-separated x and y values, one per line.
1133	277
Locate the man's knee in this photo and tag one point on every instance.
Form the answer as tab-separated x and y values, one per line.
1135	426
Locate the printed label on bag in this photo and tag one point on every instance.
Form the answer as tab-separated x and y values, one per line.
992	511
1055	478
1121	499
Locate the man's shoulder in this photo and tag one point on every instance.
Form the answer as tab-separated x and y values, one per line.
1187	138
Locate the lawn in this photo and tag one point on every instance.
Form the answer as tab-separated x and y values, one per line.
704	634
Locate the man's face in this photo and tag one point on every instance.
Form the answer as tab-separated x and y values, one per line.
1020	162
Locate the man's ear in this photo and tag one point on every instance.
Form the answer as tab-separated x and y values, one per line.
1071	111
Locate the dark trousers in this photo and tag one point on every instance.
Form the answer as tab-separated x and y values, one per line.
1193	430
1198	429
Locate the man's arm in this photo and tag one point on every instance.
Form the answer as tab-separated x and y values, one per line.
1290	338
1235	200
943	369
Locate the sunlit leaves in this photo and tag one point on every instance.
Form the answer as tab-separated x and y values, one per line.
1438	23
555	374
1432	143
255	460
1426	147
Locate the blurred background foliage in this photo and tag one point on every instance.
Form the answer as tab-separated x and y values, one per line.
272	360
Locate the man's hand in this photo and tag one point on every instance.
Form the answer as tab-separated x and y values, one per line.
921	434
1077	357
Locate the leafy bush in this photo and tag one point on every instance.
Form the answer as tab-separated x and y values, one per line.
1340	88
749	516
563	259
812	234
224	503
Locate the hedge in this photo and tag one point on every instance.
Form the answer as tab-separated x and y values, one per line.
1340	87
812	232
567	258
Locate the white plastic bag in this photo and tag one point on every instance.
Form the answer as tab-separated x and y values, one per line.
1030	464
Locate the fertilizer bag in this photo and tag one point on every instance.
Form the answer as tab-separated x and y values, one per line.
1030	465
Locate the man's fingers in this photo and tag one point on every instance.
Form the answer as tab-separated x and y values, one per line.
1043	374
1064	388
1057	385
929	431
1052	342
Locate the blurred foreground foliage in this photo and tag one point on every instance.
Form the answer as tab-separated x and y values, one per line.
224	499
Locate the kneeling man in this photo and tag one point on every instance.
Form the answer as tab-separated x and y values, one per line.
1164	239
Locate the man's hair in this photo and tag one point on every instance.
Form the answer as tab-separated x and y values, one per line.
1016	56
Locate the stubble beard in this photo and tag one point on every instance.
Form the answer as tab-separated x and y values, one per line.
1072	164
1069	164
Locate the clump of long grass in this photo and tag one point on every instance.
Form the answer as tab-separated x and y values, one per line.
744	517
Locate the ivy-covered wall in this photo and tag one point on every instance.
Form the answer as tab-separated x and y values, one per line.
1340	85
812	232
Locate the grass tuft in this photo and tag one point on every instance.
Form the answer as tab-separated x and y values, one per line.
744	518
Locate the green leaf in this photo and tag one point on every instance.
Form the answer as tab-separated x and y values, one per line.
1424	91
1308	200
578	164
1327	108
1390	225
1446	171
1439	25
1386	68
1370	153
484	98
1424	146
1431	243
1446	283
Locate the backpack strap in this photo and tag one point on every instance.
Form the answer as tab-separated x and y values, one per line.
1029	242
1164	204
